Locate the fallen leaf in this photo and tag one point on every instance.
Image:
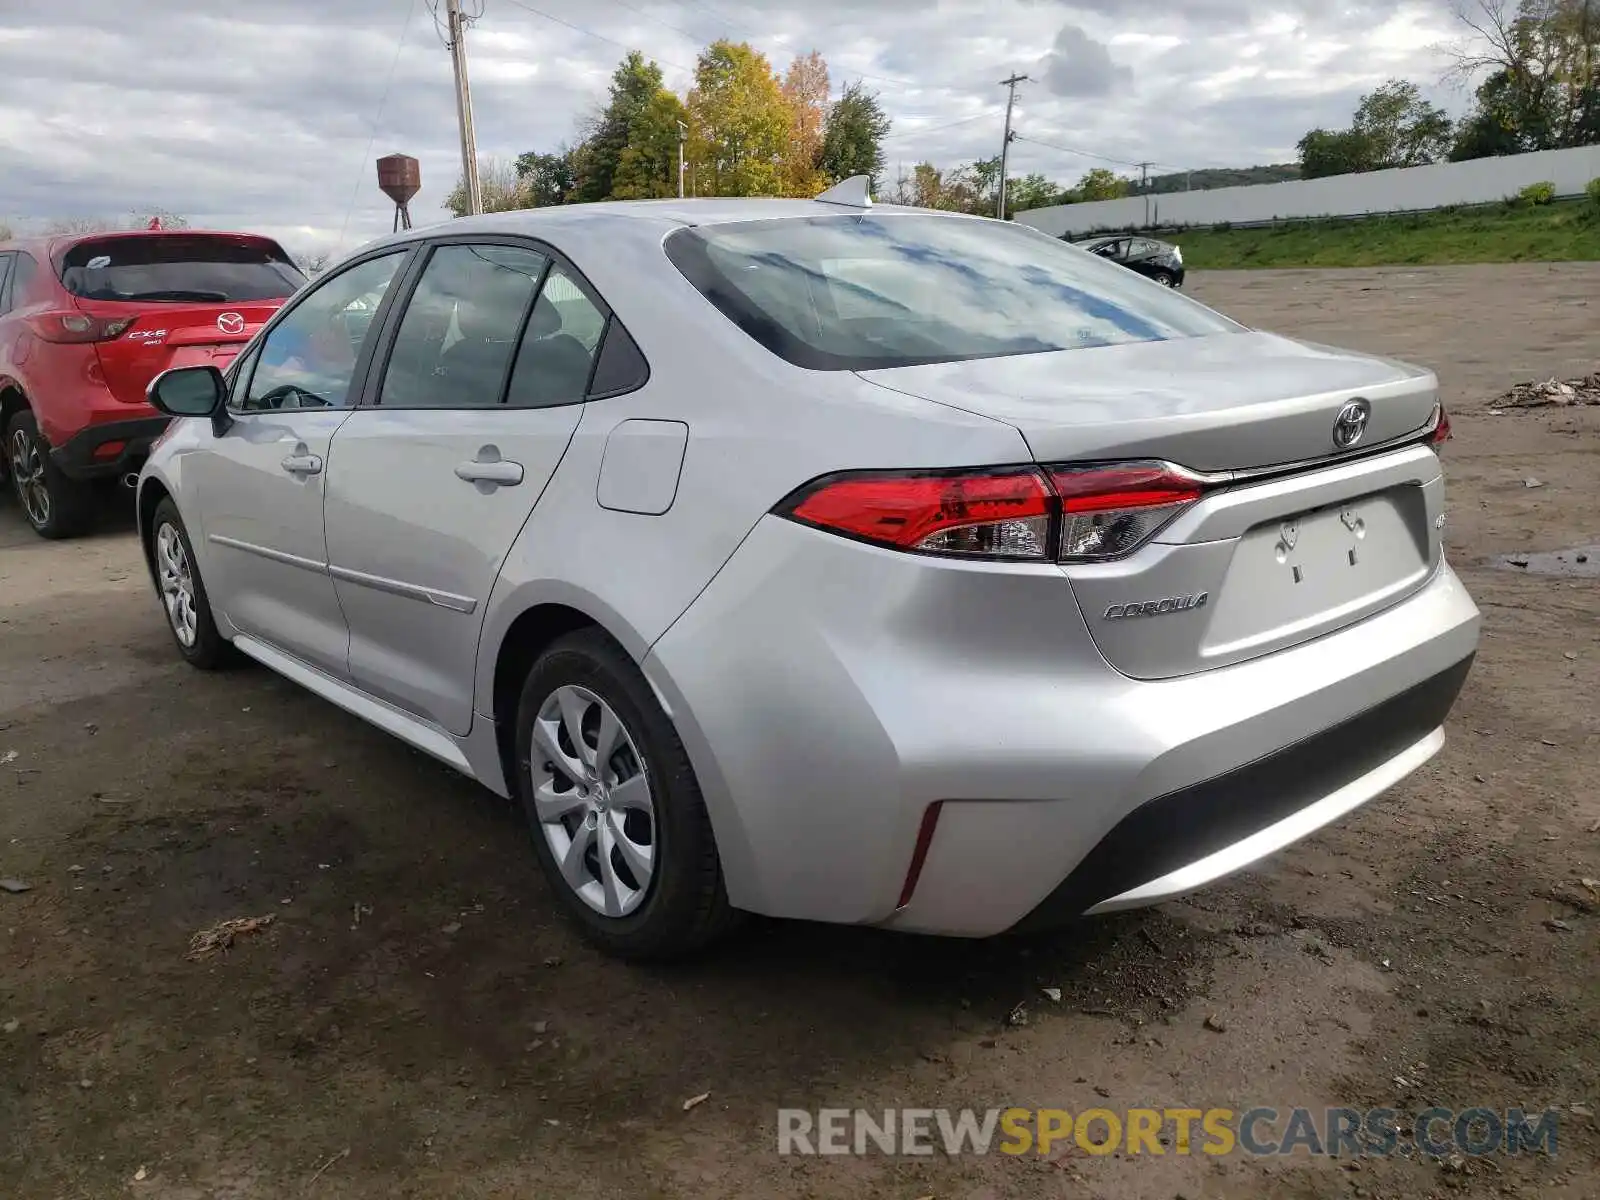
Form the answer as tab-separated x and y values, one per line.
222	935
1052	993
692	1101
139	1175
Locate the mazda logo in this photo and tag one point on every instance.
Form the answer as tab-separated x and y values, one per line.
1351	424
230	323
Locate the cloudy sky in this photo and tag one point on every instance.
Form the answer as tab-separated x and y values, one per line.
268	115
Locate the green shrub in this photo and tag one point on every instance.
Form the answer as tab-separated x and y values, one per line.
1543	192
1593	190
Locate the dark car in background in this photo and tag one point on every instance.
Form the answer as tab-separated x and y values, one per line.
86	322
1160	261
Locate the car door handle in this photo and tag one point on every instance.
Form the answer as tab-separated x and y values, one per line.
302	464
500	473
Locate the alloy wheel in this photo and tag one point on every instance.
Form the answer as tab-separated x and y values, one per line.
593	800
176	579
27	476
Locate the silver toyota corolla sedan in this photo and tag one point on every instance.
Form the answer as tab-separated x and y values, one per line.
823	560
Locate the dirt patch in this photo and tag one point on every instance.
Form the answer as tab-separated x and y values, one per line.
417	1022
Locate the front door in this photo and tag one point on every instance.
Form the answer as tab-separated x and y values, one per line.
261	482
430	485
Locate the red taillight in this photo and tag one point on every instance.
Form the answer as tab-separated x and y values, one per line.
77	327
1441	427
1111	510
1002	514
1065	512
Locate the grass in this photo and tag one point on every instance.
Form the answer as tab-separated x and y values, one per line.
1568	231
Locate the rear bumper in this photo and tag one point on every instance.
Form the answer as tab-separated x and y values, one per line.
109	449
831	693
1194	835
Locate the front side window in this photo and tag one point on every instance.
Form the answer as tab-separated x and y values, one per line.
459	332
196	268
308	360
5	278
874	291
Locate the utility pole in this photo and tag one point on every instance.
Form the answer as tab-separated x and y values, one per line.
469	138
1144	186
683	135
1005	146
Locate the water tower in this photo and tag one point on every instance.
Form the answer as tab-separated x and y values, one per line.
400	177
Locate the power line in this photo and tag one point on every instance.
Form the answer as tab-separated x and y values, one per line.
1121	162
983	116
538	12
383	101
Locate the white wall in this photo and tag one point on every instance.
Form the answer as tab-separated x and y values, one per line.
1406	189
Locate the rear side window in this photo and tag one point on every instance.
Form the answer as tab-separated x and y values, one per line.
558	348
176	268
856	293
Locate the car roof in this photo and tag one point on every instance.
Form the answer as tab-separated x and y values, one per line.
651	219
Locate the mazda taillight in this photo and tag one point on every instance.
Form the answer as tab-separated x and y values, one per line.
1070	513
78	327
1108	511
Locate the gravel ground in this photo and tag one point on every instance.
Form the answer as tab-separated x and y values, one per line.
416	1021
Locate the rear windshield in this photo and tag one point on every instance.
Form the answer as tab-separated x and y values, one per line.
198	269
845	293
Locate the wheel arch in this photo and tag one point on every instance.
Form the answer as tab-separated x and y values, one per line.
12	401
152	492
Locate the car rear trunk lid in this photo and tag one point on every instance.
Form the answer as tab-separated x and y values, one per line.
189	299
175	335
1294	536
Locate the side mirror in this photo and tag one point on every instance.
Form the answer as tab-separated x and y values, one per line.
188	391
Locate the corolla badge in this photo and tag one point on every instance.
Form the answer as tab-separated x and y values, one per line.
1157	608
1351	424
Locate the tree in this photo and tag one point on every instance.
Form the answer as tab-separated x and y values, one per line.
548	179
140	218
648	168
1032	191
805	91
1398	128
739	122
1102	184
1325	152
1393	126
6	233
312	265
1540	66
852	138
498	185
634	84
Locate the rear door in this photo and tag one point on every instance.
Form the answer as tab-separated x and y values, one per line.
261	482
432	480
189	299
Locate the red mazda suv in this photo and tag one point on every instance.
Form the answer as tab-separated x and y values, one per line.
86	322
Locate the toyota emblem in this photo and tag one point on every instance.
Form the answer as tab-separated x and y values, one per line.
1351	424
230	323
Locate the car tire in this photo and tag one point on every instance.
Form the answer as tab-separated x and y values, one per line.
641	876
1165	278
183	593
55	506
